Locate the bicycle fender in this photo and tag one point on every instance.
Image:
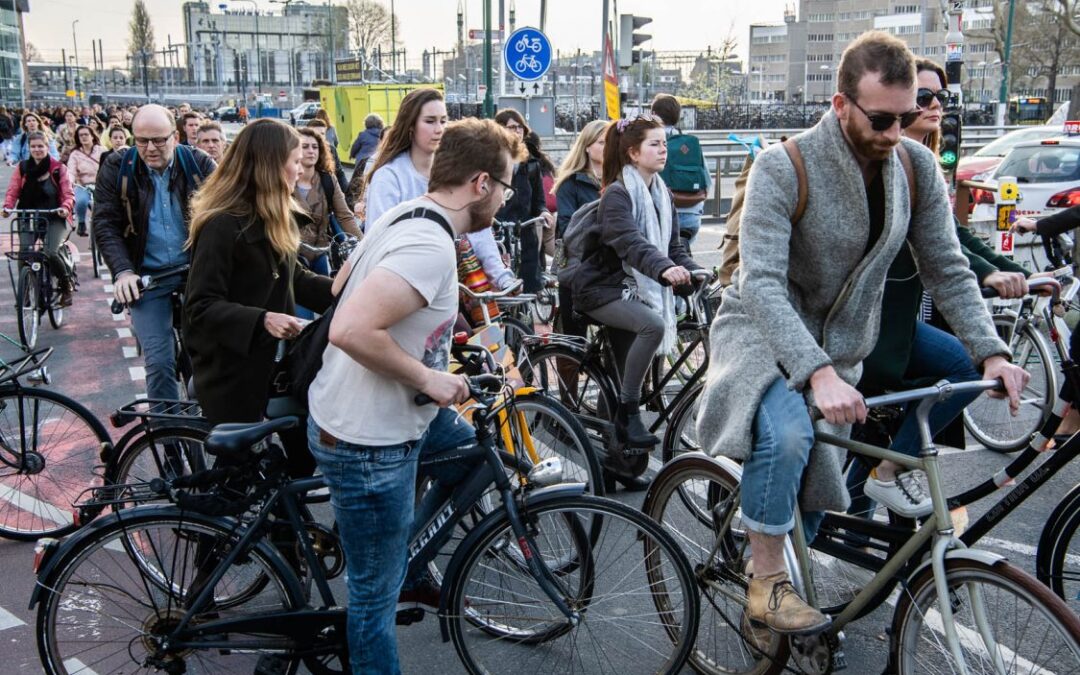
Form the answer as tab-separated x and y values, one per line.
983	556
493	520
525	391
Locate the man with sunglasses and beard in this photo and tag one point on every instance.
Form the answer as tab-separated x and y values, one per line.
802	310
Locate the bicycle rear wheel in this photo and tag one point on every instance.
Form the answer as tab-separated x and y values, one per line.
1059	566
161	452
501	621
50	447
54	310
1031	628
28	304
106	609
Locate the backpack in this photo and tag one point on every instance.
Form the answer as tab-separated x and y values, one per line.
182	156
569	257
297	370
685	173
730	256
327	182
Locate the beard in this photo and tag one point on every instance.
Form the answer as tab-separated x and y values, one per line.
480	215
871	145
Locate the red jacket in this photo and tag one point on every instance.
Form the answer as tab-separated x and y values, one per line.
63	186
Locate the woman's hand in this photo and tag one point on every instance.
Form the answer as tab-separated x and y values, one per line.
549	219
676	276
1023	225
282	326
62	212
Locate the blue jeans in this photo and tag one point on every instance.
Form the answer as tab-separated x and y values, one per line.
439	452
372	491
934	354
783	438
82	203
320	265
690	223
153	320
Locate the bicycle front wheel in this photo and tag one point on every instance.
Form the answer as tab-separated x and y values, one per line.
1059	565
29	307
1027	629
553	431
498	613
989	420
49	448
107	610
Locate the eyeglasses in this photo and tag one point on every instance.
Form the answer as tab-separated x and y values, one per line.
883	121
158	142
513	126
508	192
925	97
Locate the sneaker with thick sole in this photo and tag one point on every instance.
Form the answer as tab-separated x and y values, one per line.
903	496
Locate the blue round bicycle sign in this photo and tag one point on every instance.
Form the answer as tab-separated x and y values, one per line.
527	54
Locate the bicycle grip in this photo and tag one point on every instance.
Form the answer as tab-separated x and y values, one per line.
422	399
117	306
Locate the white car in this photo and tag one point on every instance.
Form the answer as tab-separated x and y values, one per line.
1048	173
304	112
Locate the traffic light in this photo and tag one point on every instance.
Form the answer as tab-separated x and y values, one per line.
951	124
629	39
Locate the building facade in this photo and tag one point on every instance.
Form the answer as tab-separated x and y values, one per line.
12	68
263	50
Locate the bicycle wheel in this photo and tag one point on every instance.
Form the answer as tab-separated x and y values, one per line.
1062	559
49	448
693	340
29	306
498	613
693	498
54	310
514	333
564	374
680	436
555	432
989	420
106	609
160	452
1032	630
547	301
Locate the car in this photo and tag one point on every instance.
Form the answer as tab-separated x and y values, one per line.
226	114
990	155
304	111
1048	173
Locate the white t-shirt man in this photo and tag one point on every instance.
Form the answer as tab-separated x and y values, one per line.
359	406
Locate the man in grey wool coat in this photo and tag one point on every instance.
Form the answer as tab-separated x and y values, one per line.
803	311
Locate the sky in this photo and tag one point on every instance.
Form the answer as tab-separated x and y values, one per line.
571	24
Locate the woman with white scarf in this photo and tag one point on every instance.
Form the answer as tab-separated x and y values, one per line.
630	263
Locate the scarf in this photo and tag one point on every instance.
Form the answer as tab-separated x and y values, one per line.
35	194
657	230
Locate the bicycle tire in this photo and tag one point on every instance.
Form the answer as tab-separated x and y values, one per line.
584	588
989	420
514	333
661	365
684	498
53	308
680	436
149	456
1058	566
568	439
545	305
28	302
567	375
918	646
111	595
65	442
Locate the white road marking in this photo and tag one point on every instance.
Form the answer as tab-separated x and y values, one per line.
9	620
1072	559
137	372
140	397
108	288
130	352
25	502
117	317
77	667
123	332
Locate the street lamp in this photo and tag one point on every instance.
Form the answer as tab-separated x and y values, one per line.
292	50
982	85
825	85
76	45
258	49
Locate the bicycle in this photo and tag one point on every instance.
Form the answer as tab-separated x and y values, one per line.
50	446
171	588
38	290
184	370
941	621
514	331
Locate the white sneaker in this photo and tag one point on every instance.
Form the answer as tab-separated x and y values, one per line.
903	496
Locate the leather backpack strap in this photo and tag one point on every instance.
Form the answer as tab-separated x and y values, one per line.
795	155
909	171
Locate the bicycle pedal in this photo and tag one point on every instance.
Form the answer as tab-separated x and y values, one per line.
407	617
629	451
271	664
839	660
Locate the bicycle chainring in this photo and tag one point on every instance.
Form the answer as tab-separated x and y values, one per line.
812	654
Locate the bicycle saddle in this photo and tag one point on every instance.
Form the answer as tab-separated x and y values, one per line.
235	438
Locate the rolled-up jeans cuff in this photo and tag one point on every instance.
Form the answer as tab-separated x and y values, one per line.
770	530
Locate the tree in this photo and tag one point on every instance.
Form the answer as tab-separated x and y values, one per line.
141	35
369	23
1068	13
31	53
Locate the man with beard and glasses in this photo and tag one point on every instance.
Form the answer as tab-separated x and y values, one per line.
389	340
803	310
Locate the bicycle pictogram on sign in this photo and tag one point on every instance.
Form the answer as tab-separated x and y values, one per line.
527	54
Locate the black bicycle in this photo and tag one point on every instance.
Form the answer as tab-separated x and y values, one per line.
184	370
38	289
196	587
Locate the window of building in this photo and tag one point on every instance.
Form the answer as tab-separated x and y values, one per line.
907	9
820	18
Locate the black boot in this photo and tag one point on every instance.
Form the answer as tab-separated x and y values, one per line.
629	428
626	471
81	231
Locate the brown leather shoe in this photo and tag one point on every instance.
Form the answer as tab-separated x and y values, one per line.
65	297
758	637
775	603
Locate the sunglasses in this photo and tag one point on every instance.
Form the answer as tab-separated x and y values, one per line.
884	121
925	97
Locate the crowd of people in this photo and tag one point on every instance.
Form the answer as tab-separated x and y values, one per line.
824	305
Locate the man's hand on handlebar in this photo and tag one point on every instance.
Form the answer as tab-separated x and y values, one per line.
838	401
1013	377
445	388
676	276
1009	285
126	288
1023	225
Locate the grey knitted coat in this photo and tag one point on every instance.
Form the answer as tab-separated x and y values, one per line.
807	297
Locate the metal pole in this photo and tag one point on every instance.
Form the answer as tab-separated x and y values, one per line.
489	100
393	42
502	40
603	52
330	30
75	43
1003	95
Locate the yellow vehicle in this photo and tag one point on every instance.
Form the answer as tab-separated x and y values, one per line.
349	104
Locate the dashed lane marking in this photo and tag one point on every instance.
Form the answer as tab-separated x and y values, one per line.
9	620
77	667
130	352
123	332
137	372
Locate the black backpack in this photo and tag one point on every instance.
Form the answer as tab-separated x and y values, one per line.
304	359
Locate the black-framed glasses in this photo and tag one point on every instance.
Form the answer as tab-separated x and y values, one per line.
925	97
883	121
508	192
159	142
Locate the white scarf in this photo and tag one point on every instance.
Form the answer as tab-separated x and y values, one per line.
647	201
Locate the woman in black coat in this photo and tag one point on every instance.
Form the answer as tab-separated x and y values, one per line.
245	280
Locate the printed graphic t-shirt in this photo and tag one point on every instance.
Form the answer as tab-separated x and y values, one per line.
357	405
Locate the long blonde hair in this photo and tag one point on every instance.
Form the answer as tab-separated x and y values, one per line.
577	159
250	183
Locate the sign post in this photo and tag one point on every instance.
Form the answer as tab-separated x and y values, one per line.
611	81
527	55
1008	194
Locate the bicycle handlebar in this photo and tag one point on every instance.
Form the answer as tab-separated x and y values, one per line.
481	387
491	295
314	250
1034	286
149	283
939	392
